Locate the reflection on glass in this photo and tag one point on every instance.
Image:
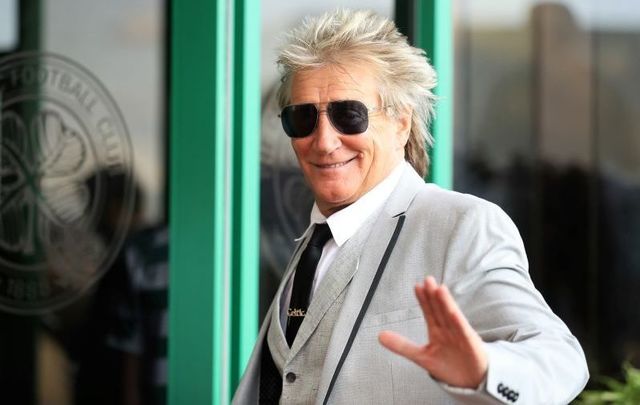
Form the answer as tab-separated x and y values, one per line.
549	128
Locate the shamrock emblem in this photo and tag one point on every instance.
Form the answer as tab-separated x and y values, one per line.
41	183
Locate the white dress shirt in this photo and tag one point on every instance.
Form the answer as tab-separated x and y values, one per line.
343	224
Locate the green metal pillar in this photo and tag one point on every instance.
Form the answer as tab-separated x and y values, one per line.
197	192
429	25
245	209
214	189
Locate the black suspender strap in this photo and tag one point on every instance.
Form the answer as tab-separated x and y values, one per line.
365	305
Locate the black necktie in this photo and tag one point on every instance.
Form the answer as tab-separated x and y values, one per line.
303	280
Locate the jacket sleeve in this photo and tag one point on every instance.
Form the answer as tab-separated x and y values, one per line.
533	357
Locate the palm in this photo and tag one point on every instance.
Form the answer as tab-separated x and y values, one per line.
454	354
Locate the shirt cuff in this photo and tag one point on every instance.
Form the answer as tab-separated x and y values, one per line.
466	391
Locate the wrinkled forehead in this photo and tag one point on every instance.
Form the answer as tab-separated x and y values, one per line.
335	82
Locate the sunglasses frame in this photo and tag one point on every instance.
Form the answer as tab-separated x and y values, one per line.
326	110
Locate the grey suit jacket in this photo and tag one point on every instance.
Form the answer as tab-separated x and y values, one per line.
474	248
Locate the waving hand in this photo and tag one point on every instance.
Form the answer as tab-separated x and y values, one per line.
454	354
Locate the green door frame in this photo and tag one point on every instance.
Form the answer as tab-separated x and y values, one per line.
196	202
214	196
429	25
435	36
214	112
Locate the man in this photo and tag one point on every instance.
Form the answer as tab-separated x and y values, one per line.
356	102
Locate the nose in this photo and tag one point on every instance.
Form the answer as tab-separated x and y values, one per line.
326	138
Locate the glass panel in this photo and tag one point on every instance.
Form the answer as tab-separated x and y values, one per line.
616	140
547	126
83	246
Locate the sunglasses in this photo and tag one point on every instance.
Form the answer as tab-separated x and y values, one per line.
349	117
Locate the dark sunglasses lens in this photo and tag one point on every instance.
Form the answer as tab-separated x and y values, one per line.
299	120
349	117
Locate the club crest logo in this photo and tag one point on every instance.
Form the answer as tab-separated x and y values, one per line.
64	155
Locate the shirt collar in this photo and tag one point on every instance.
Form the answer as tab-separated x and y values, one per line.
346	222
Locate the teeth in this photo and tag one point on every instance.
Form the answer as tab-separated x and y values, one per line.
333	166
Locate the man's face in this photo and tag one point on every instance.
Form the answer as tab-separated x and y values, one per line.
341	168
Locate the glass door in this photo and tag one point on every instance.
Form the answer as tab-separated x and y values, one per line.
83	239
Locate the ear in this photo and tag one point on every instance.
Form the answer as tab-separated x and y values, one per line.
403	126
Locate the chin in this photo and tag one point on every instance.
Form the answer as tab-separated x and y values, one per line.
334	202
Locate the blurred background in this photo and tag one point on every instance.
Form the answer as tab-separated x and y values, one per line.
544	108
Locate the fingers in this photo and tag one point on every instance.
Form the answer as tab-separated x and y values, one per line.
457	322
400	345
439	307
427	292
425	305
431	289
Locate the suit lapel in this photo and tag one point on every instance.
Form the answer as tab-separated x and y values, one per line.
375	247
248	389
249	386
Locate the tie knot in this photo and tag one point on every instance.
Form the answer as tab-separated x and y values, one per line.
321	234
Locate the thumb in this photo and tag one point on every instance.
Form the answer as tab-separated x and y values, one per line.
400	345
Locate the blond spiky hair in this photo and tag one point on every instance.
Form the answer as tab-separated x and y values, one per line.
345	36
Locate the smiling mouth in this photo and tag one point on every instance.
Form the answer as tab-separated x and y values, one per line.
333	165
